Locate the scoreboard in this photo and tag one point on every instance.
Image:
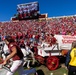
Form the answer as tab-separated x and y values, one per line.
28	10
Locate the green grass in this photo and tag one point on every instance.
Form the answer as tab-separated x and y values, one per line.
59	71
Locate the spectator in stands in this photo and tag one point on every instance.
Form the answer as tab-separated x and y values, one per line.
53	40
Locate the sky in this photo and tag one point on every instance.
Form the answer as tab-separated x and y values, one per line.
54	8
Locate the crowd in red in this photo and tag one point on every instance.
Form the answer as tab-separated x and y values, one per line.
33	32
39	28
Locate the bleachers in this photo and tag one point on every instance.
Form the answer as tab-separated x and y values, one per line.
60	25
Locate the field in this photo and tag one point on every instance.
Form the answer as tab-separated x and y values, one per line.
60	71
43	70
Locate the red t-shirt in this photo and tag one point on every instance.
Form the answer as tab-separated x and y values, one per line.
53	40
19	54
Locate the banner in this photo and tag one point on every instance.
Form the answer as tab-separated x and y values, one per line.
65	41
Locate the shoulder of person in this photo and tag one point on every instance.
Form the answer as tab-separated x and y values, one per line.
74	49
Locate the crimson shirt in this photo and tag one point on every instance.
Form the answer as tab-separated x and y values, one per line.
53	40
19	54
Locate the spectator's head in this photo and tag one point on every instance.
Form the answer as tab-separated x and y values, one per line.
52	35
74	44
9	39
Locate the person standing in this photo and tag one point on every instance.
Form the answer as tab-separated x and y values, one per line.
16	55
72	62
53	39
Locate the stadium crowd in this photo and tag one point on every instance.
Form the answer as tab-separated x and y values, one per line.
31	34
37	30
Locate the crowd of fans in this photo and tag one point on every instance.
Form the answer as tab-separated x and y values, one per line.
61	25
30	34
38	30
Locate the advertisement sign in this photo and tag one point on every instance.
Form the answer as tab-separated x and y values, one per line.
65	41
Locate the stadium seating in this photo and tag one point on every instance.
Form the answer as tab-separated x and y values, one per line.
58	25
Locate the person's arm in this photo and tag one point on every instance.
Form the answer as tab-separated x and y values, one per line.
14	51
